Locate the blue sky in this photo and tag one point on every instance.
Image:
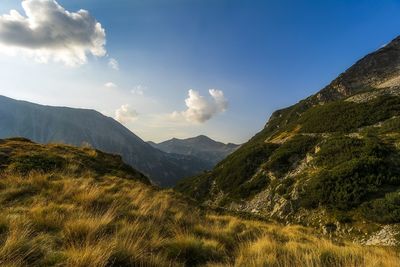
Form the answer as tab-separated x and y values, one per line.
263	55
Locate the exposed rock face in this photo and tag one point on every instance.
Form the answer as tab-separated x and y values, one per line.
365	97
379	69
45	124
387	236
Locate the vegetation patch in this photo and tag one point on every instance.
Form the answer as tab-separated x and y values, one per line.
383	210
352	171
290	153
43	162
232	173
255	185
342	116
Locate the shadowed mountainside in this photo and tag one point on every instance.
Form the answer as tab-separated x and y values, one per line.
46	124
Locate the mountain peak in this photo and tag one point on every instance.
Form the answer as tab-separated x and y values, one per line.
202	136
377	70
201	146
394	43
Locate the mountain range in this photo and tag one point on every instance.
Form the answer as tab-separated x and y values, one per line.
334	157
47	124
201	147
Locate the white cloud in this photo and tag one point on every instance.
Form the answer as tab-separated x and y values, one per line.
200	109
139	90
113	63
126	114
110	85
48	32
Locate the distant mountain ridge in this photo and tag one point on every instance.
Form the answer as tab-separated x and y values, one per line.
47	124
200	146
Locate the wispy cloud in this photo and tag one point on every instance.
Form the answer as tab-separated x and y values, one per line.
139	90
48	32
126	114
113	63
201	109
110	85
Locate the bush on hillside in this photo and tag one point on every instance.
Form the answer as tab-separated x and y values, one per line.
383	210
43	162
343	116
287	155
239	167
353	171
253	186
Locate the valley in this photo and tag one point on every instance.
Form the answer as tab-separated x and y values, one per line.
68	206
48	124
318	186
199	133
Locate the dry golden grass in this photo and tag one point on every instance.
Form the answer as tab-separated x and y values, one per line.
53	225
301	248
69	218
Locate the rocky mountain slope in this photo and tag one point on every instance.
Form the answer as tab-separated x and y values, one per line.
46	124
332	158
68	206
201	147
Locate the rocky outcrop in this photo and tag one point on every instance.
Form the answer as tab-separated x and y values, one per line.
387	236
379	69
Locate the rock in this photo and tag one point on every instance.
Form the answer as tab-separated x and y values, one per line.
254	211
385	237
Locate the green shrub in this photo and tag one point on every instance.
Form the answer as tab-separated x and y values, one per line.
287	155
44	162
383	210
193	251
197	187
343	116
285	186
239	167
254	186
392	125
353	171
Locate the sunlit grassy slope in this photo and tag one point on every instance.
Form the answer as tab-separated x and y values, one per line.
66	206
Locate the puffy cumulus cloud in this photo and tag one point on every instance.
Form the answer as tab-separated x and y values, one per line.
113	63
126	114
110	85
48	32
201	109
